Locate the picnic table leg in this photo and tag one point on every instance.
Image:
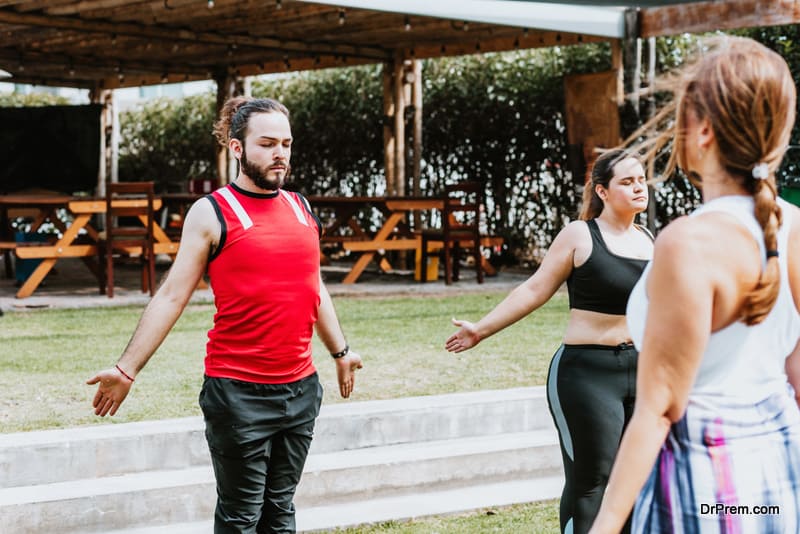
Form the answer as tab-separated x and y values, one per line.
36	278
358	268
487	267
385	265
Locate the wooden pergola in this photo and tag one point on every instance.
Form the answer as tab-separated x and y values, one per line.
102	45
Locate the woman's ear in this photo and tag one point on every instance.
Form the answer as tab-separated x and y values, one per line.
600	191
705	134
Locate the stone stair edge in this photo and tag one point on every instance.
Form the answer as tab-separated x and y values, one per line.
316	463
398	508
195	423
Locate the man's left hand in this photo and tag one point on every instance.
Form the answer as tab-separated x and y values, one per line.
346	372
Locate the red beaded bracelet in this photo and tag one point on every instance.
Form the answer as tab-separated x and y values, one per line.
126	375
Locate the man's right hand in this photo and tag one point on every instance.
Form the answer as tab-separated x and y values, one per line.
113	389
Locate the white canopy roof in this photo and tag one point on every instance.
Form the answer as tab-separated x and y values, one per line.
605	21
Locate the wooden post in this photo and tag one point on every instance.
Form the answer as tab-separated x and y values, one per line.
240	86
617	65
106	119
225	85
650	111
115	135
388	129
399	129
417	131
632	60
96	97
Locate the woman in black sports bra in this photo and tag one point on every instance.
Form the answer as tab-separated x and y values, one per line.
592	378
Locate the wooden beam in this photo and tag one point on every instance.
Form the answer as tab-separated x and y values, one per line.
76	62
699	17
515	40
182	34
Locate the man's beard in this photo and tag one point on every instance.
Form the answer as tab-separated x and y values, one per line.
259	174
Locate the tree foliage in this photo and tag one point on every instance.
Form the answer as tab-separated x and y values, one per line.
497	118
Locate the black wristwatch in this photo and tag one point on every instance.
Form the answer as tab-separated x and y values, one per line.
342	353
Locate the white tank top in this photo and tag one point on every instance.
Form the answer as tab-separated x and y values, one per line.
739	360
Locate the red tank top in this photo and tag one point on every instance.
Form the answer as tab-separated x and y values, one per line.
265	279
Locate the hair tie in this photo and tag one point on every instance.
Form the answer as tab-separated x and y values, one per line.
761	171
772	254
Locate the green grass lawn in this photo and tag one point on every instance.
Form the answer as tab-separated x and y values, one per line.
533	518
47	355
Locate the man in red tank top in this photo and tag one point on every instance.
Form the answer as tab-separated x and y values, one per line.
260	395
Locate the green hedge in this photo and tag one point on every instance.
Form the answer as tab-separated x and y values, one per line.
497	118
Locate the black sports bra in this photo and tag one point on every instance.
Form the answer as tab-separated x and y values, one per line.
604	282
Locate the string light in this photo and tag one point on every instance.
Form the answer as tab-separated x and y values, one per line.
407	24
278	4
210	4
341	17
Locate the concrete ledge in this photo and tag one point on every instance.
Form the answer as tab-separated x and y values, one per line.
31	458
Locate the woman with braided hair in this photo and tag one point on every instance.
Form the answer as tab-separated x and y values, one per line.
714	441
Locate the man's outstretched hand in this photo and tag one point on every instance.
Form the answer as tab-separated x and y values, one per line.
112	389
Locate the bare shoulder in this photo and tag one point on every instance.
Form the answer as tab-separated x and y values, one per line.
202	219
684	238
713	245
575	233
794	212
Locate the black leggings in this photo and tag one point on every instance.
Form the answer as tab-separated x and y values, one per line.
590	391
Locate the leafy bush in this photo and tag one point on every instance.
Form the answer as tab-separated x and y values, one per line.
15	100
169	141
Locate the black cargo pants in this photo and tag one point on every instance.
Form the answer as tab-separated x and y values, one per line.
258	436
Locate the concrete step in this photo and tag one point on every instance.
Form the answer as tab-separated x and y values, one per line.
403	507
428	418
174	496
34	458
394	469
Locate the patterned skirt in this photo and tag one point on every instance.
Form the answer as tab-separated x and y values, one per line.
727	467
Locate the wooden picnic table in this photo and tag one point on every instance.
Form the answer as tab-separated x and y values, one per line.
45	207
394	233
72	243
